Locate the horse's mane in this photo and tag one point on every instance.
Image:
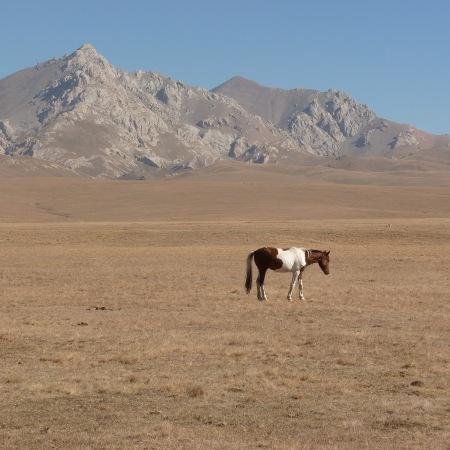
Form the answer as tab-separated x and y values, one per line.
310	252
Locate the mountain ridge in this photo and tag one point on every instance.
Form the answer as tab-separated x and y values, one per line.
321	112
85	115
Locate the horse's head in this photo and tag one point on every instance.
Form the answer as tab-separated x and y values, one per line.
324	262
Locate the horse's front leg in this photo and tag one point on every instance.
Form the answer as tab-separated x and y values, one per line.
300	285
291	288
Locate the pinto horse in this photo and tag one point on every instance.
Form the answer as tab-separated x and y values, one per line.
293	260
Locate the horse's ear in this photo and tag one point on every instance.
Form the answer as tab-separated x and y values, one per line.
327	252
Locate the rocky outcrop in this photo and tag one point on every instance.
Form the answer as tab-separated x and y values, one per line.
326	123
404	138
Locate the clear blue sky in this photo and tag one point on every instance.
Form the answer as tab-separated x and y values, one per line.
393	55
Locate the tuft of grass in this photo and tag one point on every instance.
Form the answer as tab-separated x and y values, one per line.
50	359
395	423
195	391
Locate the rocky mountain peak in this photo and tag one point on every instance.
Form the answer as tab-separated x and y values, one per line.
238	81
86	52
87	60
87	47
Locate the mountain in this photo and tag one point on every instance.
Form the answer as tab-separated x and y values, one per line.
80	114
84	114
328	123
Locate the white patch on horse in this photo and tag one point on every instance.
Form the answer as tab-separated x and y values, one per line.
293	259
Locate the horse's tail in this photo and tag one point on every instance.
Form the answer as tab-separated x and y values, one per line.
248	278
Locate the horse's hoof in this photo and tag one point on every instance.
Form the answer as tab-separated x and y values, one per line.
289	299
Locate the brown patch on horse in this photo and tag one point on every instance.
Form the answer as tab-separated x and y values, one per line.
266	258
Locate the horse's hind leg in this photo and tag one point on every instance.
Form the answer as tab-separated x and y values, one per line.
263	292
260	284
258	289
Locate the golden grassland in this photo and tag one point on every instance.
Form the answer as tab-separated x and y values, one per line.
124	323
139	335
227	192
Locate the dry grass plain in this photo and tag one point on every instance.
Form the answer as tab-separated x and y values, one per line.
139	335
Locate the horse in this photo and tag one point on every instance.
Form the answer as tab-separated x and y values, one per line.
292	259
